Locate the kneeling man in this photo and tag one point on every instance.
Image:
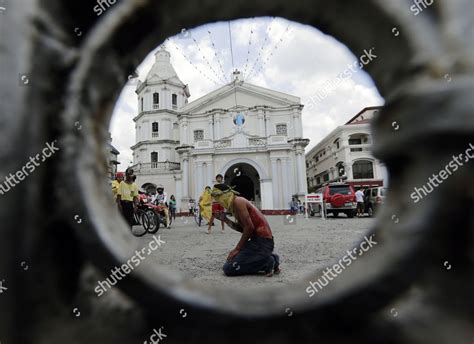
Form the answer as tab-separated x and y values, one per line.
254	251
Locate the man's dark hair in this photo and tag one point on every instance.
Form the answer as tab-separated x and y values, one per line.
220	175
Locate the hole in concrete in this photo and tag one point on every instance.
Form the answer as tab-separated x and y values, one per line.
183	94
113	239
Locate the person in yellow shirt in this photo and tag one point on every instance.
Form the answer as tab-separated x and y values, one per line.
205	204
116	183
127	197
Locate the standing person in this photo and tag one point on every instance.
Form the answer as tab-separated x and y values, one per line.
216	208
293	205
191	206
254	251
116	183
127	197
205	204
173	207
360	202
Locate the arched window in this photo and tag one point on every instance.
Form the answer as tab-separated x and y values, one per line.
363	169
341	170
156	100
174	101
154	159
154	130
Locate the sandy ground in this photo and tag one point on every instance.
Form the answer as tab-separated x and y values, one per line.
304	246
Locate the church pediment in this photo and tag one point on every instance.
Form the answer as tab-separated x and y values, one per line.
241	95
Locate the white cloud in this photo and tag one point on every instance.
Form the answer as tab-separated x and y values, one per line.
303	61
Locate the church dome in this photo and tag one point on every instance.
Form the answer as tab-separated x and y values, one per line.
162	68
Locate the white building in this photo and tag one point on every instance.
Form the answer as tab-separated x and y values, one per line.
112	158
251	135
345	155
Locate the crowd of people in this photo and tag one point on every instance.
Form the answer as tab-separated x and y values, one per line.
128	197
253	253
296	206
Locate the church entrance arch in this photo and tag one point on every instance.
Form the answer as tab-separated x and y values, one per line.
245	179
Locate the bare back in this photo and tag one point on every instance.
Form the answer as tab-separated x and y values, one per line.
260	226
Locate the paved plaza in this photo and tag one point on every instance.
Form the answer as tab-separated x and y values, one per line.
304	245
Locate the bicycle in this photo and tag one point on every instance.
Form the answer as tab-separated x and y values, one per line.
141	218
157	216
197	216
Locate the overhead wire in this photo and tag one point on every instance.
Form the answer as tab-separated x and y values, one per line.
207	61
217	57
264	63
195	67
233	65
248	52
267	36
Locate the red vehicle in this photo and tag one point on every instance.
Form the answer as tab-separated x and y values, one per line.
339	198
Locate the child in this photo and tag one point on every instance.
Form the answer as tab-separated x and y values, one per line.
216	207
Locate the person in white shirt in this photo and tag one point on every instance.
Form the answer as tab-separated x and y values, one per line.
161	198
360	202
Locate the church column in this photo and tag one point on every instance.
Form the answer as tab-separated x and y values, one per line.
217	126
276	184
184	137
261	123
284	173
185	169
198	181
166	101
348	170
291	176
297	124
211	127
210	173
165	131
301	173
268	132
179	191
266	193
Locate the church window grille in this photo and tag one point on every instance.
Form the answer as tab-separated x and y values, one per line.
198	135
281	129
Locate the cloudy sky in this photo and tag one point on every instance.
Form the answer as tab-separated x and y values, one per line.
271	52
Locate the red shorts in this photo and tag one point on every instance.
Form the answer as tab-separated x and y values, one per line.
217	208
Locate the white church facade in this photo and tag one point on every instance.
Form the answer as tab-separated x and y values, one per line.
251	135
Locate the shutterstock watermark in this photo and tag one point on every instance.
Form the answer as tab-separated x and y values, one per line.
103	5
156	337
128	267
442	175
14	179
331	84
418	4
351	256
